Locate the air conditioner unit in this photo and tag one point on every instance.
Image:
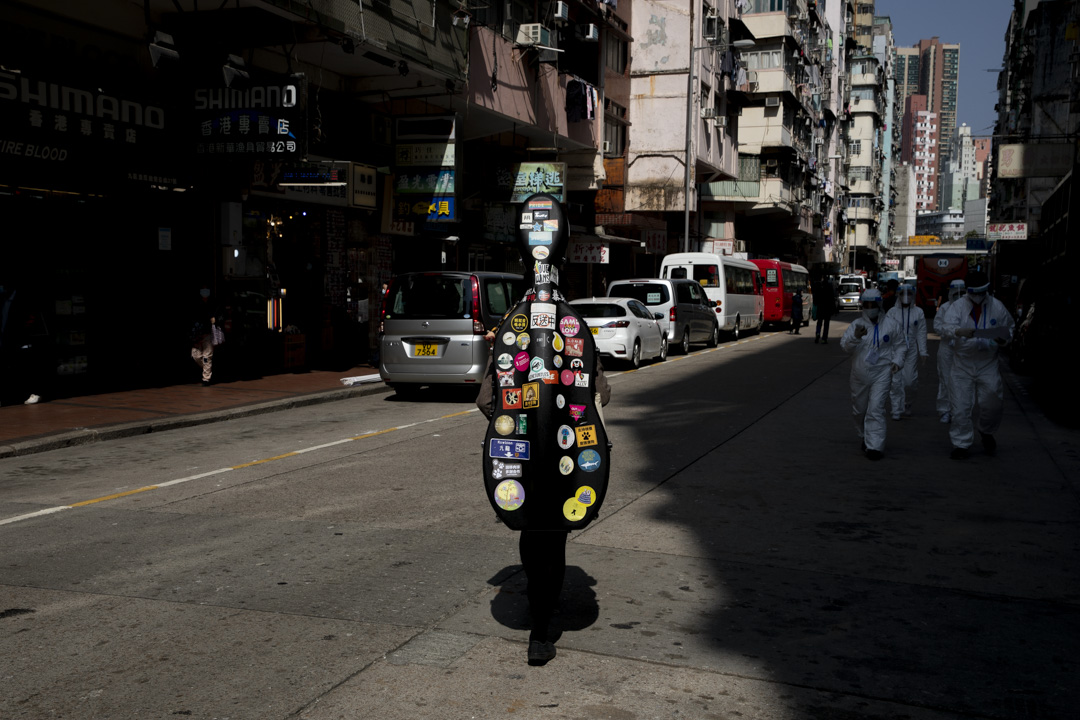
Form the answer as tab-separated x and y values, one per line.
740	246
772	102
720	121
708	113
533	34
770	163
592	33
562	11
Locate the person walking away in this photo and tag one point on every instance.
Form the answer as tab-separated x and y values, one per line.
25	358
824	297
911	318
957	289
888	295
203	338
876	344
796	311
978	325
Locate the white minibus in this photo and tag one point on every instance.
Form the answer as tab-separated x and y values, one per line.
733	284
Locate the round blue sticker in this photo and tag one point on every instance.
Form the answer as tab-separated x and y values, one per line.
588	460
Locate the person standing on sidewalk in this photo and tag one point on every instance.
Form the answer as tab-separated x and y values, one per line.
205	334
978	325
796	311
957	289
876	344
905	383
824	296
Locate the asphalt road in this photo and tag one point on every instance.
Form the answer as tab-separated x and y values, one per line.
341	561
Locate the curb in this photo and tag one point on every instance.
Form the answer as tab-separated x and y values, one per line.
86	436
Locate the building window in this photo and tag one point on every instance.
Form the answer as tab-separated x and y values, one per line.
764	6
615	53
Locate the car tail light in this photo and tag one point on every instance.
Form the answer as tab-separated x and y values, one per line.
718	307
617	324
382	309
478	319
672	315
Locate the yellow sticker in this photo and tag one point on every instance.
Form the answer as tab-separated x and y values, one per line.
519	323
504	425
586	435
573	511
585	495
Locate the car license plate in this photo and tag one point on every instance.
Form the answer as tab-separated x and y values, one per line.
595	331
426	350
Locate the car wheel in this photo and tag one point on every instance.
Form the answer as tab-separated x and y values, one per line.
684	344
635	355
714	336
663	349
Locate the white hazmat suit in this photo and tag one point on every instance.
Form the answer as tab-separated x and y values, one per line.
905	383
975	376
945	351
877	353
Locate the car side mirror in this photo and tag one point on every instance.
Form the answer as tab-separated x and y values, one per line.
658	316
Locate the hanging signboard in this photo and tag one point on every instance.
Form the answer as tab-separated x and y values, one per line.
525	179
588	251
1006	231
262	121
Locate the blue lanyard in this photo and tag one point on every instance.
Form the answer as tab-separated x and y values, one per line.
875	334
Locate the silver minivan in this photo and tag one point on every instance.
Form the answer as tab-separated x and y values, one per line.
688	316
433	326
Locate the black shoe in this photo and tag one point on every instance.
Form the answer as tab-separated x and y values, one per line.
959	453
206	383
540	652
874	454
989	443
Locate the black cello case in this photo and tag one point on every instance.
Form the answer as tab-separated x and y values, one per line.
546	456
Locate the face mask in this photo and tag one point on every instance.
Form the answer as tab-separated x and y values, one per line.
977	298
871	313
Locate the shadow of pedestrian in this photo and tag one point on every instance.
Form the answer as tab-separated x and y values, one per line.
578	605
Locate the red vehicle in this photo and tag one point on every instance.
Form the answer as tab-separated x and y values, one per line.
780	280
933	273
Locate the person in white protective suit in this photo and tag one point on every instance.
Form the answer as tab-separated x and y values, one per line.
877	345
912	321
978	326
957	289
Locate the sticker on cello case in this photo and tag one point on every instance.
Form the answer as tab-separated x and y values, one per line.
542	316
586	435
566	437
566	465
508	338
526	217
504	424
588	460
575	347
500	469
523	341
521	361
566	377
557	343
511	399
543	295
557	361
522	425
577	364
560	401
569	326
519	323
574	511
540	252
505	361
509	495
585	495
576	413
511	449
531	397
506	378
581	379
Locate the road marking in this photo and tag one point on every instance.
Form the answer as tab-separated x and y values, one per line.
189	478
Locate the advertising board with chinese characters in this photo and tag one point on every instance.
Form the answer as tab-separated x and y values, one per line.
1006	231
655	241
436	209
262	121
588	251
524	179
424	169
924	240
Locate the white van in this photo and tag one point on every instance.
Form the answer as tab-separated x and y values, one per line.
733	284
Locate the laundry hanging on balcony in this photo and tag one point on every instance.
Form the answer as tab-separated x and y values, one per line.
581	100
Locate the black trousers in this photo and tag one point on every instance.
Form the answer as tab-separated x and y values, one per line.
543	555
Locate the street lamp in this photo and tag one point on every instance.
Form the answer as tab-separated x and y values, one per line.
690	76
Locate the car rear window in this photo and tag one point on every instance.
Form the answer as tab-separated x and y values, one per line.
501	294
426	296
850	288
600	310
648	293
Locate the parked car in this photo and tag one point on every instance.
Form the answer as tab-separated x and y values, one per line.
623	328
687	315
433	325
850	291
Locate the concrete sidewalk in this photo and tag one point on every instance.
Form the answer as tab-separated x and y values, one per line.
26	429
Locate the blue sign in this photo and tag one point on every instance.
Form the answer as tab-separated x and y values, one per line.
514	449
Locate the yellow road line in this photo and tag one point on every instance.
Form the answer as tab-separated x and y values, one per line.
113	497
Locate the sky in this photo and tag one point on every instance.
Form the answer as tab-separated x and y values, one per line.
979	27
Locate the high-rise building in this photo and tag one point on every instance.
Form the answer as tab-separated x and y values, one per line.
906	73
921	149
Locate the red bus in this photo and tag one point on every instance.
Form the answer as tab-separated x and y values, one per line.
781	280
933	273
